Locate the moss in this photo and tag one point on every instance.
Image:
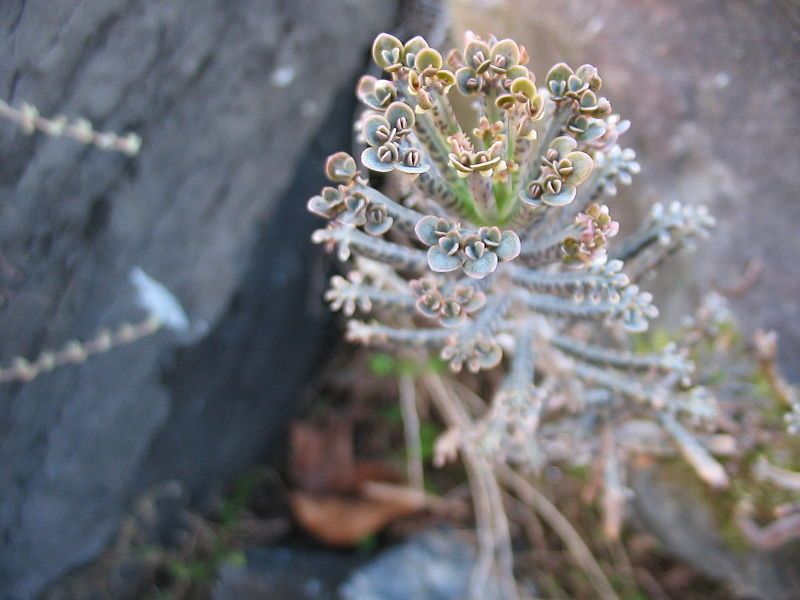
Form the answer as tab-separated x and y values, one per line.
383	364
200	570
429	432
653	341
762	495
579	472
239	496
720	503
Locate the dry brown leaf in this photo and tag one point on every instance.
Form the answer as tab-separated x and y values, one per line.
338	499
347	520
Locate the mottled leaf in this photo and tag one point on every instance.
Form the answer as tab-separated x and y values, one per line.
559	72
383	43
340	167
508	49
563	145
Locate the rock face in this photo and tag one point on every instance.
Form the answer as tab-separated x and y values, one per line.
434	565
234	102
284	572
716	120
683	518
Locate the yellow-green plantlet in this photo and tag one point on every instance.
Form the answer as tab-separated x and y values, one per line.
496	243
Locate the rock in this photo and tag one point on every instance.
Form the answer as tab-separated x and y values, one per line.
127	568
233	102
684	520
715	119
282	573
434	565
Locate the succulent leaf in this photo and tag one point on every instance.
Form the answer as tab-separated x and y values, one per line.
443	262
369	158
481	267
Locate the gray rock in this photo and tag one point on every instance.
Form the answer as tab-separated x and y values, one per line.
435	565
711	90
282	573
683	518
128	567
227	97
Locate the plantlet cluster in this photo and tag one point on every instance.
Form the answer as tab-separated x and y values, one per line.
496	250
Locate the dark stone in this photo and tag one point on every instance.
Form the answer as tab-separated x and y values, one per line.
434	565
128	568
285	572
227	97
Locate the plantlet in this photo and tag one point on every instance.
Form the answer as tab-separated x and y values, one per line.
81	130
163	312
163	308
497	251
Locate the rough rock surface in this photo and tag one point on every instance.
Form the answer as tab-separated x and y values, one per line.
285	572
711	89
684	520
434	565
227	97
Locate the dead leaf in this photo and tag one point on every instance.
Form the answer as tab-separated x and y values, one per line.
338	499
347	520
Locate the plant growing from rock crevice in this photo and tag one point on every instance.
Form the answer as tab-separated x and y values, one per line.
499	252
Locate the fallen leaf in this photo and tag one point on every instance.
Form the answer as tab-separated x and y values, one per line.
338	499
347	520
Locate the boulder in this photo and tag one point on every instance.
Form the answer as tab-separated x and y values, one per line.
236	104
695	524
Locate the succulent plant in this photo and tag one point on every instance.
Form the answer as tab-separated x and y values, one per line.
82	130
499	252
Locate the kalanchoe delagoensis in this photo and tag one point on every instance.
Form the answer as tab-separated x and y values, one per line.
477	251
589	246
466	160
509	258
485	65
451	305
385	136
375	93
563	169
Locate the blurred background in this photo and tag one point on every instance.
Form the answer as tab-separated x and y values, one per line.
238	104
